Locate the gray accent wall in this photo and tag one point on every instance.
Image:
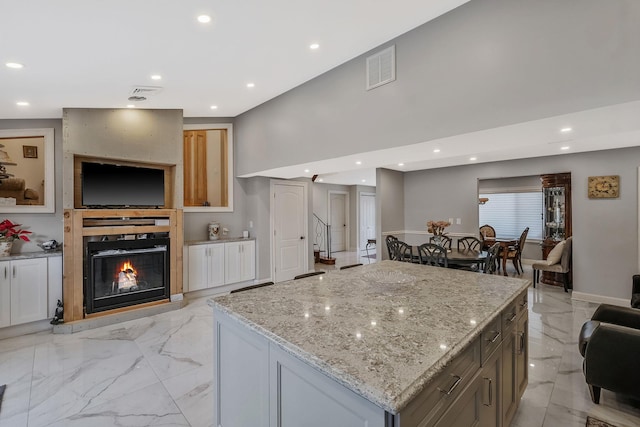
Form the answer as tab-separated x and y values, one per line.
605	231
390	206
485	64
44	226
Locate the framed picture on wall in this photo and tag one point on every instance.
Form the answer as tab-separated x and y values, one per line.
30	151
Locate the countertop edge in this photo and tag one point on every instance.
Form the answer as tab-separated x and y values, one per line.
221	240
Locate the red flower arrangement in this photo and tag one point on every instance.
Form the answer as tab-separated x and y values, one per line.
9	232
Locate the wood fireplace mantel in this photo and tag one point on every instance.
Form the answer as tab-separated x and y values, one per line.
81	223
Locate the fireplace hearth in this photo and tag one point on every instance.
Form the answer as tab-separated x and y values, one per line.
121	273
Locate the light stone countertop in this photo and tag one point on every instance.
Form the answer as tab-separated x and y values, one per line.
220	240
31	255
384	341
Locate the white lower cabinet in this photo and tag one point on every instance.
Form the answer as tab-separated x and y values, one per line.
206	266
23	291
257	384
240	261
218	264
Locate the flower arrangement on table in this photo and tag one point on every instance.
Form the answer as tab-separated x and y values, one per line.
437	227
9	232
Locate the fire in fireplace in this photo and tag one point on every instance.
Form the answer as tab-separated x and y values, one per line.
121	273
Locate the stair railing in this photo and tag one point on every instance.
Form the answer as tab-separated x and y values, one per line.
322	236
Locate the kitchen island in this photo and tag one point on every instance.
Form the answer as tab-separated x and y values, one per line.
386	344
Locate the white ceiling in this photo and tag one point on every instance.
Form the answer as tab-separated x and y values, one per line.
92	53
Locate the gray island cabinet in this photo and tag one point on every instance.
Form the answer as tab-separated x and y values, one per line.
388	344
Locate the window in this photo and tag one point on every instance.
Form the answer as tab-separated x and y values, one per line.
511	213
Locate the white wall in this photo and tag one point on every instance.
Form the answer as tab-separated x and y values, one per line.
605	245
45	226
485	64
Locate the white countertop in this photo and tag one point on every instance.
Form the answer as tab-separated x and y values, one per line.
384	341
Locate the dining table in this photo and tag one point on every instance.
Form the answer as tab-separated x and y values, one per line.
505	242
461	257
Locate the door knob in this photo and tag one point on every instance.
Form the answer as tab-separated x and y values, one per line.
301	237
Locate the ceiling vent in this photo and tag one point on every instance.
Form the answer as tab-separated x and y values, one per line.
145	91
381	68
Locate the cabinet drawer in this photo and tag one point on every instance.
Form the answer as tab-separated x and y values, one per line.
434	400
509	317
522	302
491	338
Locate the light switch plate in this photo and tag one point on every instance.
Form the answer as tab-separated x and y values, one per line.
458	221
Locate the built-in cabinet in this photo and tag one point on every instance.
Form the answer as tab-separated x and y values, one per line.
29	289
239	261
257	383
206	266
217	264
557	225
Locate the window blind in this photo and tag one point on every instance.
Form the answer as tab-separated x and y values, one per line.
511	213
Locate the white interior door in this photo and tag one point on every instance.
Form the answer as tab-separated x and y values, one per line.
367	219
338	221
289	231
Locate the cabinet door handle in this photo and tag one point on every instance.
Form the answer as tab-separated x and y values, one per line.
490	392
497	335
523	303
453	386
5	271
512	318
14	271
521	349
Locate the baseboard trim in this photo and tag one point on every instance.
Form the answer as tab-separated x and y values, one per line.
600	299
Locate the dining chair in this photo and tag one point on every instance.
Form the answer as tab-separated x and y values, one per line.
558	261
403	252
514	253
445	241
389	240
432	254
487	231
491	262
469	243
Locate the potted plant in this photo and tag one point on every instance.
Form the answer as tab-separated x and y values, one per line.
9	233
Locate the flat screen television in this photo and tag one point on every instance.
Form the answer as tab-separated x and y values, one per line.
110	185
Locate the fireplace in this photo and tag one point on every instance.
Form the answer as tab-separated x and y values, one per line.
121	273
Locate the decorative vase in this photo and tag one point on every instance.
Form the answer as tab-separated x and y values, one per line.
437	239
5	248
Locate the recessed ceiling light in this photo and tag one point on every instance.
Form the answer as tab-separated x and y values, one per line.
250	85
204	19
131	106
364	180
214	107
566	147
314	46
566	130
14	65
22	103
436	150
156	77
473	159
400	164
358	162
320	179
306	171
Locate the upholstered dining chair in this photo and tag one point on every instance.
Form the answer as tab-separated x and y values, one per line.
487	231
514	253
445	241
558	261
432	254
469	243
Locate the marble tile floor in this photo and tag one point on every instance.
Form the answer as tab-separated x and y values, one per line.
158	371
